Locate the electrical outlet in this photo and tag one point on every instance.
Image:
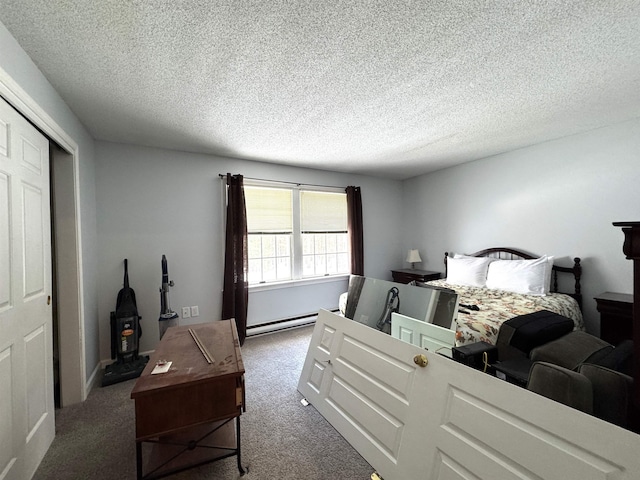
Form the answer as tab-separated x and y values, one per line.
195	311
186	312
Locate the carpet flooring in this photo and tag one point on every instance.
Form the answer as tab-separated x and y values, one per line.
281	438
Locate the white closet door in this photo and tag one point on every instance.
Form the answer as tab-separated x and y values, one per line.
26	371
448	421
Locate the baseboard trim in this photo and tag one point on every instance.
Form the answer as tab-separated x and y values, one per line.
283	324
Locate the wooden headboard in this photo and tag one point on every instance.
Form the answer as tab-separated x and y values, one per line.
513	254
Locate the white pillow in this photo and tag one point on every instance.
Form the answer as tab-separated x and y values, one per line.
468	271
547	273
529	277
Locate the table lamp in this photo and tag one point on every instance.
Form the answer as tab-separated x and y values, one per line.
413	257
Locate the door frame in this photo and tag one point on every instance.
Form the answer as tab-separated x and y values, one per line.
73	378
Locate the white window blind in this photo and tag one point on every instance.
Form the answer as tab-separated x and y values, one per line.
295	233
323	212
269	210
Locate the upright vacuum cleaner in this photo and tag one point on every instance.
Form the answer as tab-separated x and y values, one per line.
125	334
168	318
392	305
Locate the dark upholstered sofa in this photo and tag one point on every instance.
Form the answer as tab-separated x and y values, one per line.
587	373
575	368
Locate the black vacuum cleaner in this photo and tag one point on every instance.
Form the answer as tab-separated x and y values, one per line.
125	336
168	318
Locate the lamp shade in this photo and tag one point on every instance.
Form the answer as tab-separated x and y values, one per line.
413	256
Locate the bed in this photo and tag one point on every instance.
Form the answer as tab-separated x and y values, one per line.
504	283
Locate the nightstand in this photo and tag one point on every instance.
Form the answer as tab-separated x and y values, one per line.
616	316
406	275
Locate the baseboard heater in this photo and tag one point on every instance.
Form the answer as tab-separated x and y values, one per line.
283	324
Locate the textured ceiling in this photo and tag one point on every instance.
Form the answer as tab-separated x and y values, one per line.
387	88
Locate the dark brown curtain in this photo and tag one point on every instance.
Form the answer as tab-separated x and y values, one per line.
354	226
235	294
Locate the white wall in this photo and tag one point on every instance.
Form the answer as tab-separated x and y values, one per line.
17	64
557	198
152	202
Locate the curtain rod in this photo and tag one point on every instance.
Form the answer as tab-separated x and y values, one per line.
284	182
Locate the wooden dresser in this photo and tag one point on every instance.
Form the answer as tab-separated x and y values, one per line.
193	404
616	316
631	249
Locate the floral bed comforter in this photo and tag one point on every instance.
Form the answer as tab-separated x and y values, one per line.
497	306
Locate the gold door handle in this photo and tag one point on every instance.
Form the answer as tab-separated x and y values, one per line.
420	360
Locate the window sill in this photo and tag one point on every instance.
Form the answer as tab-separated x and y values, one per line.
261	287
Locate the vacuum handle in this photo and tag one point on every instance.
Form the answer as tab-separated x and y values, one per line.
126	273
165	270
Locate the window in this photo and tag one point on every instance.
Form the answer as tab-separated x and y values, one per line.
270	228
295	233
325	246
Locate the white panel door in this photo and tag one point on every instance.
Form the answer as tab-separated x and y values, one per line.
448	421
26	360
422	334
